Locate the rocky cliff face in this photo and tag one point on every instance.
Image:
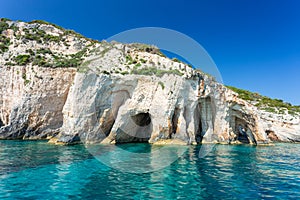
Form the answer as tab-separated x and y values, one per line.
32	110
58	85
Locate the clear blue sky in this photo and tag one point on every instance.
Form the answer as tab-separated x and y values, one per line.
255	43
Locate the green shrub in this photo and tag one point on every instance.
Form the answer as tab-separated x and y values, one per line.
83	69
40	36
161	84
5	20
143	61
243	94
147	48
176	60
33	37
10	63
144	71
71	32
66	32
129	59
155	71
4	43
43	51
51	38
64	62
3	26
75	60
46	23
79	54
14	28
138	65
270	109
124	73
26	82
30	51
266	103
291	112
22	59
160	73
78	35
41	61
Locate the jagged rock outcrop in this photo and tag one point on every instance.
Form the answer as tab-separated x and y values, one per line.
119	93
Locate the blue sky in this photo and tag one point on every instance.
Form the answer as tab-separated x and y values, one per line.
255	43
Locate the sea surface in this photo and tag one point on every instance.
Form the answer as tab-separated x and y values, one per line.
37	170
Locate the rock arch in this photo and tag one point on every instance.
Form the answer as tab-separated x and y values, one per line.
138	128
242	126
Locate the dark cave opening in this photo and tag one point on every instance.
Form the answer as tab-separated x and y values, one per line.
198	124
174	121
142	119
241	130
107	127
137	130
1	123
272	135
204	118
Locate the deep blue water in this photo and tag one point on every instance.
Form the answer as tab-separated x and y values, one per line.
37	170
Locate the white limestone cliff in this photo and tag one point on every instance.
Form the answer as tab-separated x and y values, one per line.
121	93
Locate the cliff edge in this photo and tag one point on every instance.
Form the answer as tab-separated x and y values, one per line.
58	85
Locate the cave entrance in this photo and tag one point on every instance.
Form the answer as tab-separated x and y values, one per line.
138	129
272	136
174	122
241	130
198	124
204	118
142	128
141	119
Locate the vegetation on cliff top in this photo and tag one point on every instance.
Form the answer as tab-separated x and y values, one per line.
155	71
277	106
44	57
66	31
35	35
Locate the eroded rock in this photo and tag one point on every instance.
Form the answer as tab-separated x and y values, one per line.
122	93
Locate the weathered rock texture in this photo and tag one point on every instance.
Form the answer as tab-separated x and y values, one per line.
126	93
32	109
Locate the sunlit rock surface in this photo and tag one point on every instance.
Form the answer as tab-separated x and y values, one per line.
70	89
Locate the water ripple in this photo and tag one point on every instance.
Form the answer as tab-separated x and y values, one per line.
37	170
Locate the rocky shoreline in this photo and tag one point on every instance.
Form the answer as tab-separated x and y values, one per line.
83	91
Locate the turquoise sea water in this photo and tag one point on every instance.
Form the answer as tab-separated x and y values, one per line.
37	170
